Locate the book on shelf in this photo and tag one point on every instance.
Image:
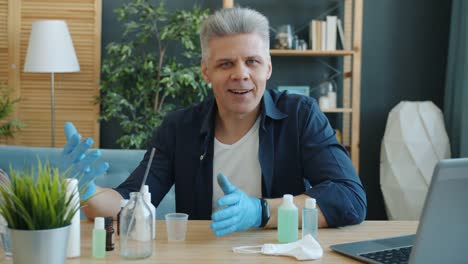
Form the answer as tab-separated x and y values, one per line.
323	45
331	33
316	35
340	33
323	35
312	34
312	37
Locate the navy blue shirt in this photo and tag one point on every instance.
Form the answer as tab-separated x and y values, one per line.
296	143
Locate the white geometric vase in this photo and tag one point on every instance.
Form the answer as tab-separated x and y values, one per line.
415	140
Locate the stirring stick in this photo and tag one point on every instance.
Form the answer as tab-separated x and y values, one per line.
147	170
141	188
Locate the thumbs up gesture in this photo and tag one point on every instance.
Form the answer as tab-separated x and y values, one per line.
240	211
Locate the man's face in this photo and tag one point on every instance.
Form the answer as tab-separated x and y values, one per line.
237	67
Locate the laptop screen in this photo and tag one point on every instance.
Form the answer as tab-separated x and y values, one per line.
443	230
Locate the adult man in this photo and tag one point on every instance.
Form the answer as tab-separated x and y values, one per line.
265	142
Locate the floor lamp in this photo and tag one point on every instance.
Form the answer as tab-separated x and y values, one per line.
51	50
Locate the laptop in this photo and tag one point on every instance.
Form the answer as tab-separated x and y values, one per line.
442	235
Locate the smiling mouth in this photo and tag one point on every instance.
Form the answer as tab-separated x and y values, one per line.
239	91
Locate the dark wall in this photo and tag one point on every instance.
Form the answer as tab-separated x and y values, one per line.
404	58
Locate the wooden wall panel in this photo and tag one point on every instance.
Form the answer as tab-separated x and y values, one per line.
74	92
4	51
3	41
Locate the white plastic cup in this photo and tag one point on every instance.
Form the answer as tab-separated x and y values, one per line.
176	226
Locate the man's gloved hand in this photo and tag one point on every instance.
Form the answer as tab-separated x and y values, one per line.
241	211
78	164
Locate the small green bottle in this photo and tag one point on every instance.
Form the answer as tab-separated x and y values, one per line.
287	220
99	238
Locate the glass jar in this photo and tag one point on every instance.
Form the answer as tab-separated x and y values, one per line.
284	37
136	229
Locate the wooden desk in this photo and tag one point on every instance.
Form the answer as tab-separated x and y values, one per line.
201	246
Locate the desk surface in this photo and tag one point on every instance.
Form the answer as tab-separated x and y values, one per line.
201	246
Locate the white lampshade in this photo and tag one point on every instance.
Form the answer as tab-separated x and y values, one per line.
50	48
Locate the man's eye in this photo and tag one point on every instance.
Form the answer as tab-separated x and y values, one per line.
225	64
251	62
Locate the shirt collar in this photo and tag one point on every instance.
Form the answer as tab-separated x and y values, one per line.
269	107
208	120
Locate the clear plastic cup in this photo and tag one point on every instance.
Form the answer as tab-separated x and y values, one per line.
176	226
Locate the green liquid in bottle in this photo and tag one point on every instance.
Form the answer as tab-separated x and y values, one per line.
99	243
287	222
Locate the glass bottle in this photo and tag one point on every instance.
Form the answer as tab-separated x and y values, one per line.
123	203
295	43
136	229
109	226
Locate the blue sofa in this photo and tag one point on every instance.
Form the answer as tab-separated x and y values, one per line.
122	163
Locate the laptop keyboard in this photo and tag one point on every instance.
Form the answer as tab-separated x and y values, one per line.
390	256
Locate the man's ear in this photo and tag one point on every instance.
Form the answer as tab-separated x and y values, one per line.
270	69
204	70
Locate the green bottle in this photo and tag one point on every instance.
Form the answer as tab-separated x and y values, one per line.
99	238
287	220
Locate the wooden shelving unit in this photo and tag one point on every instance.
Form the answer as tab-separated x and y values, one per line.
351	86
338	110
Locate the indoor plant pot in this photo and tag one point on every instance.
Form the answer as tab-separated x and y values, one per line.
39	246
38	211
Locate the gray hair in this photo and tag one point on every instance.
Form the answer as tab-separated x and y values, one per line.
233	21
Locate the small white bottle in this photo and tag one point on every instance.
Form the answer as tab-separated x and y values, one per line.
331	98
287	220
99	238
310	218
74	240
324	102
147	199
143	218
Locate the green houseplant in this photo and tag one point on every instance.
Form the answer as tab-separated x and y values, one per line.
8	126
38	211
140	81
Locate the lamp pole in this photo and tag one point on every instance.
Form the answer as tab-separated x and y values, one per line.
51	50
52	108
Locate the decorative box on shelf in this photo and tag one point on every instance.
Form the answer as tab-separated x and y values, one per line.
299	89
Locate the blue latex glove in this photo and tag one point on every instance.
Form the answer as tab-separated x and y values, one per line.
241	211
78	164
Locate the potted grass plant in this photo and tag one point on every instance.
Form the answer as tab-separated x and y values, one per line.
38	211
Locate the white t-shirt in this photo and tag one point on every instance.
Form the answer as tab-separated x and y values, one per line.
239	163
